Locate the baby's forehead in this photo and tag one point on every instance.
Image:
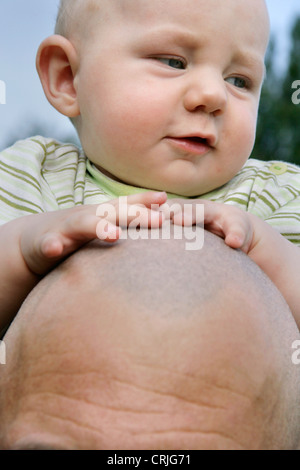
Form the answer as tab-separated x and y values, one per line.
78	17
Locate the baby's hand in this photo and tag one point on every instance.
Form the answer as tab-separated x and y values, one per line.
48	238
129	211
228	222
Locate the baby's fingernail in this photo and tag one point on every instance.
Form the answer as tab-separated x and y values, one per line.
235	241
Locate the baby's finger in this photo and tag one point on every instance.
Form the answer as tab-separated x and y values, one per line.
81	226
188	214
183	212
234	240
69	235
147	199
238	235
139	215
51	245
124	215
107	231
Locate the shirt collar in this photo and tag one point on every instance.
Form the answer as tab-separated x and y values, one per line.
114	188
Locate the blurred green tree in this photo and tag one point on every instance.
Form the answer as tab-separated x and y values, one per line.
278	129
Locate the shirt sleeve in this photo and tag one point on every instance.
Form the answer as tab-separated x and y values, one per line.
275	197
23	189
40	175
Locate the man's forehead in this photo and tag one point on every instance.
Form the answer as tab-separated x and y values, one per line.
134	396
126	416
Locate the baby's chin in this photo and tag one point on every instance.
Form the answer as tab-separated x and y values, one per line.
179	192
176	188
187	192
185	189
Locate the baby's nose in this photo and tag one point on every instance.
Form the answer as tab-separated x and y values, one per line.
207	92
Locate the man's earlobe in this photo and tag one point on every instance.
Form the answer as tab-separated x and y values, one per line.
57	63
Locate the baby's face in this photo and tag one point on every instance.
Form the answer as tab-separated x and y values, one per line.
169	91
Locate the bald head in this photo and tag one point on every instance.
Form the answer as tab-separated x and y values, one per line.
73	13
69	13
154	347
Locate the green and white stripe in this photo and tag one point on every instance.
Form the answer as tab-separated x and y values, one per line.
41	175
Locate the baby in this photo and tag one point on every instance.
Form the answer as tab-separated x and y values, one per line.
164	96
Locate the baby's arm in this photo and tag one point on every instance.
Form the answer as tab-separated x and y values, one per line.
279	259
32	245
274	254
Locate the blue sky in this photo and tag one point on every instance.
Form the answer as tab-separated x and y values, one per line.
25	23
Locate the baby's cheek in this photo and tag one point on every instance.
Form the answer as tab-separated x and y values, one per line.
246	133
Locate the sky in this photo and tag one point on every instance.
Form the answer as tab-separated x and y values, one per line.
23	26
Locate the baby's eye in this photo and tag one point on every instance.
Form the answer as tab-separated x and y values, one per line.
238	82
174	62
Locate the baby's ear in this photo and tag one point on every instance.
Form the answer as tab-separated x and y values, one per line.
57	64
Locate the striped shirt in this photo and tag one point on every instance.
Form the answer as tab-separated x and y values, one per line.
41	175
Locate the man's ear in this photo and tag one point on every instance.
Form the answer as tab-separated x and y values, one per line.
57	64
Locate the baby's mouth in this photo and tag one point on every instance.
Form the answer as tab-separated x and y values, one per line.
199	140
192	144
